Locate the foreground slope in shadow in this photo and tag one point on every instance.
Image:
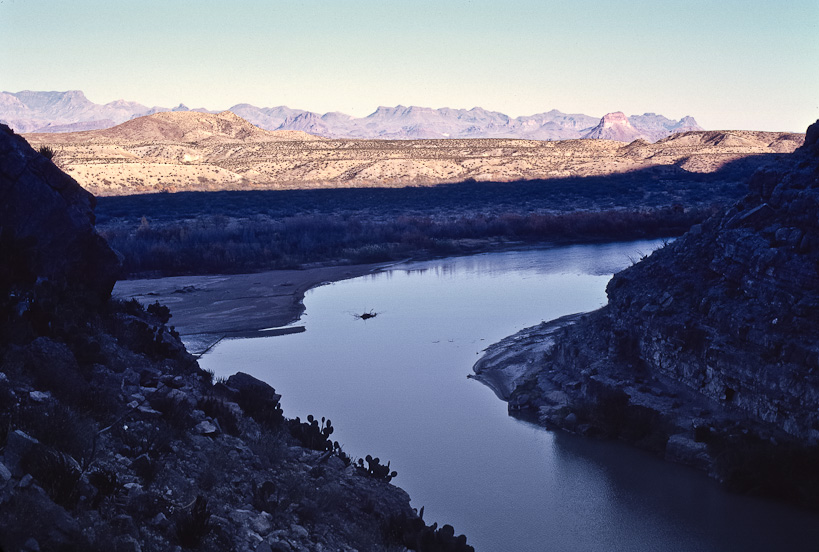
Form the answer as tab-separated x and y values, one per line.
113	438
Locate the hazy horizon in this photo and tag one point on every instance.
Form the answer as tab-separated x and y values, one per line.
364	115
732	65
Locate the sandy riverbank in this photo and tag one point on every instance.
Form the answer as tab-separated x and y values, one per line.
506	363
207	308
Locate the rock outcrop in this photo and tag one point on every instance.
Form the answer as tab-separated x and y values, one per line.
47	223
708	350
615	126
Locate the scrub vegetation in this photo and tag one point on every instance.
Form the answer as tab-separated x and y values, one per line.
233	232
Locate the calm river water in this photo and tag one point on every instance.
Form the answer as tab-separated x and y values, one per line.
395	387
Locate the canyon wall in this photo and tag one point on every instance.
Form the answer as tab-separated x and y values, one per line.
708	350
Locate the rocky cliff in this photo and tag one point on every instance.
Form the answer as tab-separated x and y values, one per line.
708	350
113	439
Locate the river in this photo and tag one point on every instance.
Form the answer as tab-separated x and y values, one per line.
395	386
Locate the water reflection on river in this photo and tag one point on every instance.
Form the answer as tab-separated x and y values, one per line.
395	387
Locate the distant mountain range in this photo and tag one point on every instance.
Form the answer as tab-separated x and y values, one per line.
30	111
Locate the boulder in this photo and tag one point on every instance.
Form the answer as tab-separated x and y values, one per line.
241	381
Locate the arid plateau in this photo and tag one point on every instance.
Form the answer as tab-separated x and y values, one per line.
192	151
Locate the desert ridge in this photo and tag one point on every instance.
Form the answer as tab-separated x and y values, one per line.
194	151
180	126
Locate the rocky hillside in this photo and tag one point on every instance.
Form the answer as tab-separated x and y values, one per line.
708	350
30	111
111	436
186	151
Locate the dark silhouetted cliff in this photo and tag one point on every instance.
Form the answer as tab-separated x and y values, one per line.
47	222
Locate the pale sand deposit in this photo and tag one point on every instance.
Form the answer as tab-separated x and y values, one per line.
206	309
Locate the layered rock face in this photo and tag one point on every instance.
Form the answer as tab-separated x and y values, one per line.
730	309
47	222
709	344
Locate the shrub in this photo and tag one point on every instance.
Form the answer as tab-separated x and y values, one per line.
138	438
221	412
271	447
162	312
106	483
193	526
57	473
266	497
59	427
47	152
176	411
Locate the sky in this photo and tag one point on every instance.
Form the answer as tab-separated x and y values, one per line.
748	64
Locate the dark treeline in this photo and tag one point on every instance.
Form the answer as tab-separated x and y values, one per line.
217	244
230	232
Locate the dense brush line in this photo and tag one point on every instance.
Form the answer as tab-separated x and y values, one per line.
218	244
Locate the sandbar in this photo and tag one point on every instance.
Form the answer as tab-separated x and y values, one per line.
206	309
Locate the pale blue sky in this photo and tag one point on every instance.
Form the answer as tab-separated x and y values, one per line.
731	64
